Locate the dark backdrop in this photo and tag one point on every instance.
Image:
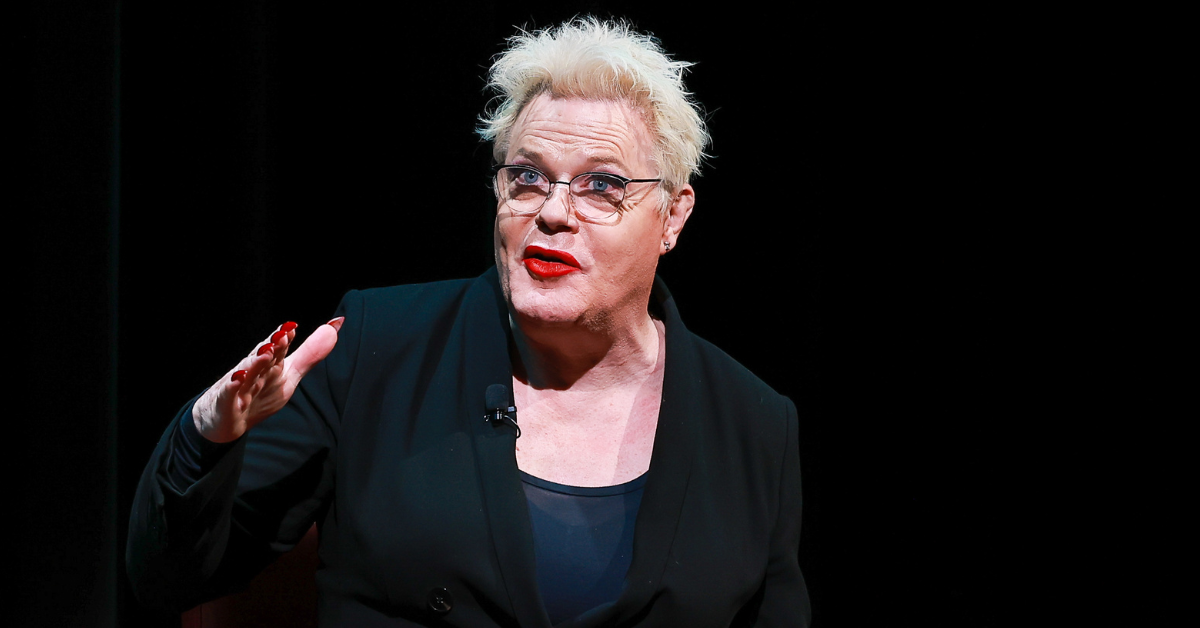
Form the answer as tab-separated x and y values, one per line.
862	241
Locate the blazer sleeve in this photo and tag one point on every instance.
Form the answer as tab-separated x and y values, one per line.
785	600
253	504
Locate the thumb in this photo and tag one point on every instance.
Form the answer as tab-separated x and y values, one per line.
314	349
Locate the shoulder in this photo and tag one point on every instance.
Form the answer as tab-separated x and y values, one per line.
710	381
405	318
743	430
411	299
375	310
728	379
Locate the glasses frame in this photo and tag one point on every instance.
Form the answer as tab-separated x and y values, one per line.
625	181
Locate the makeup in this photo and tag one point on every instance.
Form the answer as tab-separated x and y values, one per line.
548	263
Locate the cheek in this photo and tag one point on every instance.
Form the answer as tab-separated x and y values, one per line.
632	259
502	245
508	239
508	234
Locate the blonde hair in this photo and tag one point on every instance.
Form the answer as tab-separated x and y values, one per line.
603	60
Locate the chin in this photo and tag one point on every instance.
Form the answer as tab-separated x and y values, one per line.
547	305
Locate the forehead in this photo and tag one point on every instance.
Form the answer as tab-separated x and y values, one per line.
555	130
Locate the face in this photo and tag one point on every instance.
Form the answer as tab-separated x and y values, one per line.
556	269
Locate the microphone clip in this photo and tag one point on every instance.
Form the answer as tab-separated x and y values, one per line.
500	416
500	408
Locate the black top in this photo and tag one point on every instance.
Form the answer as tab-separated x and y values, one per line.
582	542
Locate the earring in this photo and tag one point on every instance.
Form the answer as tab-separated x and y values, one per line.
667	244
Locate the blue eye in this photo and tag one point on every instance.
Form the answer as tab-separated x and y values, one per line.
602	184
528	177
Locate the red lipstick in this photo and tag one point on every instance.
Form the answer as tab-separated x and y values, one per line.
545	263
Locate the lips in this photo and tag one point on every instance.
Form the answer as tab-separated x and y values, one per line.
546	263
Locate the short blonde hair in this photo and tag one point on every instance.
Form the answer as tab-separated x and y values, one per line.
603	60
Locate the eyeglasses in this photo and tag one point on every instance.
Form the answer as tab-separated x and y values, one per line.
594	195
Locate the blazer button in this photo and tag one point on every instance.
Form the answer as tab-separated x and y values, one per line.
440	600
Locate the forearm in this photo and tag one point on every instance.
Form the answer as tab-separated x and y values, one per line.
179	526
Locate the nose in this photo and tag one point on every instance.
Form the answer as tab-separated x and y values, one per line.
556	214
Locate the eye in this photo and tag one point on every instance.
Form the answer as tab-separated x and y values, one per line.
602	184
528	177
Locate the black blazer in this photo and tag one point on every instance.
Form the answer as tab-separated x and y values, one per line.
419	504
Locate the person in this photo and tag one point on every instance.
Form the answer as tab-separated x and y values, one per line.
545	444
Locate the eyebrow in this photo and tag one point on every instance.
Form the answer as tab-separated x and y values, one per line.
532	154
536	157
607	159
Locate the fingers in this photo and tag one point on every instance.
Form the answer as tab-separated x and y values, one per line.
220	413
259	365
246	376
262	382
278	342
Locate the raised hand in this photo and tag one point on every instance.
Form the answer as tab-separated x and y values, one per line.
261	383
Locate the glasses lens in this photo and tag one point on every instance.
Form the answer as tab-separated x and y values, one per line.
522	189
597	195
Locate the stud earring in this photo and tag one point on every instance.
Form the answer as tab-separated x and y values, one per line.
667	244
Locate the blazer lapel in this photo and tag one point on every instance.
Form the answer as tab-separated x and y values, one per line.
486	363
670	470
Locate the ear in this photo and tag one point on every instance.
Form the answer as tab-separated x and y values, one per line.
677	214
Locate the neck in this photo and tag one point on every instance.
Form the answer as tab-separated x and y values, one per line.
571	356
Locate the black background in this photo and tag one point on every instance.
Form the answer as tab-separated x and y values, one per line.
874	236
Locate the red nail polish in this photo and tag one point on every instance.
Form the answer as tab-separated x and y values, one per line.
238	376
337	322
288	326
267	348
277	336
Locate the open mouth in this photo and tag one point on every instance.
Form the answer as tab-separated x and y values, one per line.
548	263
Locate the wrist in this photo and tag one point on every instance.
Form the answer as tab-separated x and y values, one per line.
206	422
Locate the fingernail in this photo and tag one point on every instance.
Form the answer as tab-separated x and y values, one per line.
288	326
277	336
238	376
336	323
267	348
